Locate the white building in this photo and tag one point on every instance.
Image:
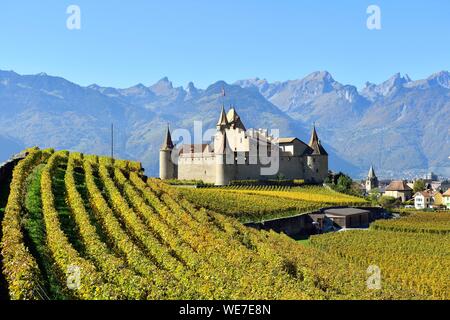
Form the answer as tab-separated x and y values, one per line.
446	198
423	199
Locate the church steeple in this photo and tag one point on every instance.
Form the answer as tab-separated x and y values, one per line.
372	180
371	173
167	143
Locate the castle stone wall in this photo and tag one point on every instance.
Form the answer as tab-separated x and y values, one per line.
292	167
197	168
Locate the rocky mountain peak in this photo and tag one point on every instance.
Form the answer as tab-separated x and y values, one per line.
165	82
94	86
140	86
192	91
386	88
441	78
191	87
322	76
162	87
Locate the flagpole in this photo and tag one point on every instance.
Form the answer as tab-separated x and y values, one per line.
223	96
112	140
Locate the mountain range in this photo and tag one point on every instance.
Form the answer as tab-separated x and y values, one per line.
400	126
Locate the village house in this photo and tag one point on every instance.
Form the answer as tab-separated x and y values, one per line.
423	199
446	199
399	190
438	199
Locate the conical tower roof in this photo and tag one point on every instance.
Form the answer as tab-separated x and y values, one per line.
314	143
314	137
234	119
167	143
222	118
232	115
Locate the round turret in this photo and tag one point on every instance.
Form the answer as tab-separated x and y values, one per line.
167	167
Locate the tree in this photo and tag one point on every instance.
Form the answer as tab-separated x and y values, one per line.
344	183
387	202
373	196
419	185
341	182
329	178
356	190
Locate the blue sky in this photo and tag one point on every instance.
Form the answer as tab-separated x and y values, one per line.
122	43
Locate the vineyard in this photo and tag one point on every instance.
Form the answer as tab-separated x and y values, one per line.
85	227
421	222
415	261
307	193
256	203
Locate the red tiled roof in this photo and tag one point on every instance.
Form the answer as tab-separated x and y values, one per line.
398	186
426	193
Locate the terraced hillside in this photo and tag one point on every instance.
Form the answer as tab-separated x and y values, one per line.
83	227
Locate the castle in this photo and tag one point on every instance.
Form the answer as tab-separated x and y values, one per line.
236	153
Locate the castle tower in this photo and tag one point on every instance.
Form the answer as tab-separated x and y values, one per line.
317	161
372	180
167	167
234	120
221	154
222	124
224	156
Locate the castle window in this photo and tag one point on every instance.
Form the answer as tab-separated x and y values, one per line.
317	170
